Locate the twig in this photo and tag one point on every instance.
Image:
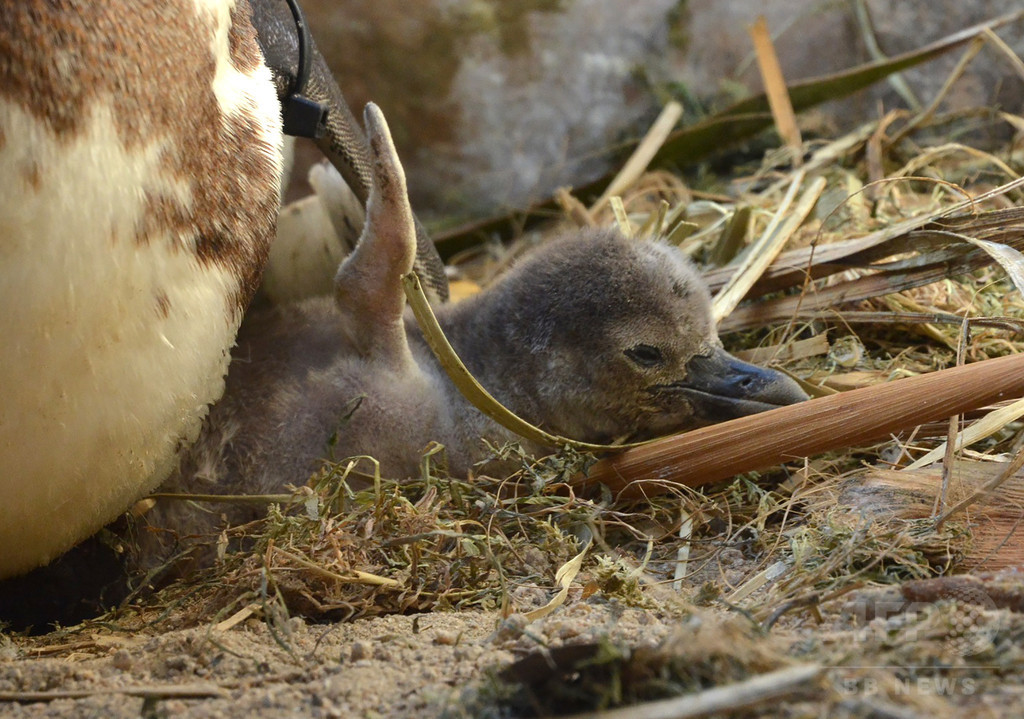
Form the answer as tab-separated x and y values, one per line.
683	553
768	246
741	695
972	50
237	618
357	577
775	88
643	154
979	430
874	155
954	426
150	691
768	574
61	648
789	351
573	208
1008	471
1006	50
621	216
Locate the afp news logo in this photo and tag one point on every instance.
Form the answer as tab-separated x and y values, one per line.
942	685
956	612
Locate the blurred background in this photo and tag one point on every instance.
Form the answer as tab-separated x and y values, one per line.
494	103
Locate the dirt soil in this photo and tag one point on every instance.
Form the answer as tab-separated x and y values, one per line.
935	657
392	666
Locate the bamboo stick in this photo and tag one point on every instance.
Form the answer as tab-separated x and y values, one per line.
843	420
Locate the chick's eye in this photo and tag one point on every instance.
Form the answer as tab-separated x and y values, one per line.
645	355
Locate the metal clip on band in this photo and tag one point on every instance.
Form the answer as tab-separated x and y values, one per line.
302	117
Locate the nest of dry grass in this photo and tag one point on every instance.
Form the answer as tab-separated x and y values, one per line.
446	543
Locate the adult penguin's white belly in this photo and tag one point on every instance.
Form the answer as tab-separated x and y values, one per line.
140	164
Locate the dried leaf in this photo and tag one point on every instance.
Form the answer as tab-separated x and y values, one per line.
563	578
1008	258
979	430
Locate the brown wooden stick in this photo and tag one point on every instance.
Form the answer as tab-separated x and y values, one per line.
843	420
196	690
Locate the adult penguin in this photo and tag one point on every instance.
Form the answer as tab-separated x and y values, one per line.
140	151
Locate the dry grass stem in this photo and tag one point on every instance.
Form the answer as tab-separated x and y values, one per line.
775	88
979	430
767	247
643	154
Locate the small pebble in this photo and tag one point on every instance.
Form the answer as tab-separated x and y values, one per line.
446	638
382	653
511	627
360	650
177	663
122	660
566	630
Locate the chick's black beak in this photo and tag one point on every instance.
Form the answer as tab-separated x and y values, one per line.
721	387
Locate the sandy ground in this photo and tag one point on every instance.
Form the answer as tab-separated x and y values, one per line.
389	666
393	666
444	664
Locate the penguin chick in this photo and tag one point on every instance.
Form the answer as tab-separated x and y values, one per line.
594	337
